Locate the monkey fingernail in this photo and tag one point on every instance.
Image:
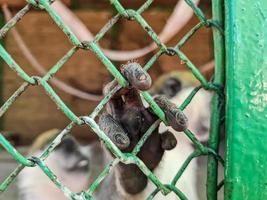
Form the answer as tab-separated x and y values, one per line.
137	76
114	131
175	117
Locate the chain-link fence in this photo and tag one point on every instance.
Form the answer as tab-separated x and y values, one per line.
127	158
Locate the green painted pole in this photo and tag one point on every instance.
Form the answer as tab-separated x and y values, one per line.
246	103
217	100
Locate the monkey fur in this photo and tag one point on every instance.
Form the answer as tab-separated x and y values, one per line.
126	121
69	161
130	119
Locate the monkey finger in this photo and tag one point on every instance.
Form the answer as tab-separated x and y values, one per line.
137	76
108	87
114	131
175	117
168	140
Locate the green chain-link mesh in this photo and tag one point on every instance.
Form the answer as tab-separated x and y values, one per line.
127	158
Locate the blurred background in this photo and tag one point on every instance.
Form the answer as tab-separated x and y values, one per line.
34	112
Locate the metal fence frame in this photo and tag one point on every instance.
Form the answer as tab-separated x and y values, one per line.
216	23
246	99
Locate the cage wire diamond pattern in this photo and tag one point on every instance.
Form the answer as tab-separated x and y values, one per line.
126	158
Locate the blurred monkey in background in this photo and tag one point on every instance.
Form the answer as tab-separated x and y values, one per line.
69	161
177	86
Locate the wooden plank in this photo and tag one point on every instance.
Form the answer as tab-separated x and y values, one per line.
126	3
104	4
21	3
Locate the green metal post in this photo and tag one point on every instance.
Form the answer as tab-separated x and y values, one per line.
217	101
246	103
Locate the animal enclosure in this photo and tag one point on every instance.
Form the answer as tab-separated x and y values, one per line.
54	45
216	85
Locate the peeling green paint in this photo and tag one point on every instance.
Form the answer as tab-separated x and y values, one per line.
246	99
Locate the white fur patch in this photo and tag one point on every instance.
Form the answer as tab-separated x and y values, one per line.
35	185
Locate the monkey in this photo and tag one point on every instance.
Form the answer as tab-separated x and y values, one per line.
131	118
171	83
69	161
177	86
125	121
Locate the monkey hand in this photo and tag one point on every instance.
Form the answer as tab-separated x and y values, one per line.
125	122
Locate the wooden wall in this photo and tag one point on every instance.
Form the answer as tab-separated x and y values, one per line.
34	112
19	3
